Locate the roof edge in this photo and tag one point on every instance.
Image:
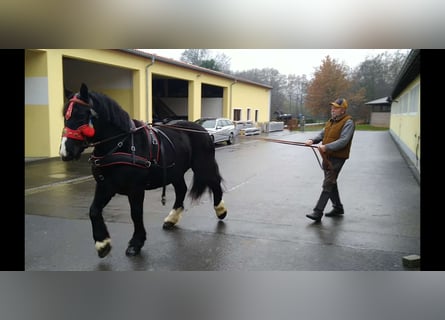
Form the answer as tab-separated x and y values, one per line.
191	66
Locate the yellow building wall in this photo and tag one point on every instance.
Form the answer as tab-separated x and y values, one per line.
256	98
133	99
407	129
123	97
236	94
194	100
44	121
139	94
406	126
37	131
56	96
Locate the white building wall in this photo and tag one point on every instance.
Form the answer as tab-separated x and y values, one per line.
380	119
212	107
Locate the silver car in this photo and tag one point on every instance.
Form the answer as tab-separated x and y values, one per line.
220	129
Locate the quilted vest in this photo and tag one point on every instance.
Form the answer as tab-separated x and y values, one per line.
332	132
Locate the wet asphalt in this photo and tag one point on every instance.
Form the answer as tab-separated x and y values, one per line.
269	188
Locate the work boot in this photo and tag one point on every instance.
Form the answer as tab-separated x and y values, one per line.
335	212
316	215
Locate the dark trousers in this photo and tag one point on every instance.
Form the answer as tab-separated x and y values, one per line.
329	187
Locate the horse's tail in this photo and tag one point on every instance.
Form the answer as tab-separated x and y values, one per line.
205	178
206	174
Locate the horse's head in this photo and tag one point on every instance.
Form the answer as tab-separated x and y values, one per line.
78	128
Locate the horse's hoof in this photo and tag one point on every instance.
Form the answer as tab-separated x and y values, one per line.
168	225
104	251
222	215
132	251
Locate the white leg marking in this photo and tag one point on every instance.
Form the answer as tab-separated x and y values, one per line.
174	215
220	208
62	150
101	244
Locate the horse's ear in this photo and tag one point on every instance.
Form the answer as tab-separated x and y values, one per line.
84	92
68	93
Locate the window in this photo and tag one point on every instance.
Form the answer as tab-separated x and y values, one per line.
236	114
414	99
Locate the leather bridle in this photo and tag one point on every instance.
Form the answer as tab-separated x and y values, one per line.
84	131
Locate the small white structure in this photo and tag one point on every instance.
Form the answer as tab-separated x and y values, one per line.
381	112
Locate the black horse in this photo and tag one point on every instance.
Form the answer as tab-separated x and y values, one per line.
131	156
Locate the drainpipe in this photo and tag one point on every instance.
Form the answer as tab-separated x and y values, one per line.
146	83
230	109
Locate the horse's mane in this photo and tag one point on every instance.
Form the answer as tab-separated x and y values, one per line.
110	110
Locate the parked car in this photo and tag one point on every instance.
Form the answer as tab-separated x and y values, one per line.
220	129
247	128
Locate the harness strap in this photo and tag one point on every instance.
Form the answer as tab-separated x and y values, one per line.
163	160
119	158
156	152
132	147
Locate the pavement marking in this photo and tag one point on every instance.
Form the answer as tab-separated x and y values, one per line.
56	184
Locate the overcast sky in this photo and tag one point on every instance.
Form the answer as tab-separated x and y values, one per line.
286	61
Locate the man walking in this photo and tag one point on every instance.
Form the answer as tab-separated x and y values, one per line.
336	138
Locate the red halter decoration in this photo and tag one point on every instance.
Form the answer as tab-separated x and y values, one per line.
84	131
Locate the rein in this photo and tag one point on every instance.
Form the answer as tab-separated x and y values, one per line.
178	128
302	144
132	130
328	164
92	144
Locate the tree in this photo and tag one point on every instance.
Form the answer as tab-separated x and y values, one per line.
273	78
194	56
377	75
209	64
374	78
296	91
223	62
202	58
330	82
